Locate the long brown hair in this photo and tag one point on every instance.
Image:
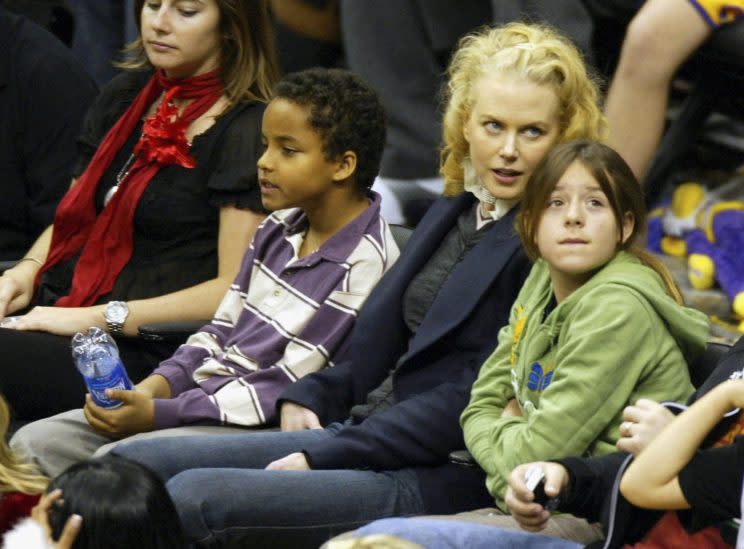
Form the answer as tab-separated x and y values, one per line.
248	63
617	181
15	474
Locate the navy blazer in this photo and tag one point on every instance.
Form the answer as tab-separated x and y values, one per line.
438	365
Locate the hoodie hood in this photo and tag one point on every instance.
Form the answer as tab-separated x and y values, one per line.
689	327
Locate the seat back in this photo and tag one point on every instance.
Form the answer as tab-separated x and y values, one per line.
401	234
702	367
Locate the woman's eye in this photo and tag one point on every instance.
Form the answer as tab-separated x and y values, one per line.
152	5
492	126
533	132
555	202
288	151
596	202
188	13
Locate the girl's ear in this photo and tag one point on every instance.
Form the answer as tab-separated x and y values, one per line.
345	166
628	226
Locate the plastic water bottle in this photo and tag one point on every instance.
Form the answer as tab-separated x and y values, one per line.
97	359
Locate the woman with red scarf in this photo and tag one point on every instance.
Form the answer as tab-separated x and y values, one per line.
162	206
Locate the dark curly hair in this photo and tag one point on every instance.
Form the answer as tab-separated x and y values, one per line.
345	111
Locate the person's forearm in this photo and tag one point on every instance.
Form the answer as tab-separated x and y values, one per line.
195	303
661	461
38	252
40	249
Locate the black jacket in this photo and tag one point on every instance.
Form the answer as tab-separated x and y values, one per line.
438	365
44	93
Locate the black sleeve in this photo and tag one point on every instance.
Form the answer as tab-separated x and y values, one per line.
58	93
328	393
591	484
422	430
711	483
233	178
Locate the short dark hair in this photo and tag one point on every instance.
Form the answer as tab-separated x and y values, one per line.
122	503
345	111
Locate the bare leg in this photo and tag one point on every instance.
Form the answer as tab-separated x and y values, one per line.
660	37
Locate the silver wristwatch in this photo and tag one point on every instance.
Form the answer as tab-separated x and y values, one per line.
116	313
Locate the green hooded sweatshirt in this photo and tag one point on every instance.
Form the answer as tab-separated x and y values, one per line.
617	338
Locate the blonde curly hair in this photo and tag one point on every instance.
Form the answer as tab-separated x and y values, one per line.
534	52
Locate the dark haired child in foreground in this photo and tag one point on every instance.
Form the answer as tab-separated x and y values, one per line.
110	502
289	312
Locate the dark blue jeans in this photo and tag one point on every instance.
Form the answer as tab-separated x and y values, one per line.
224	496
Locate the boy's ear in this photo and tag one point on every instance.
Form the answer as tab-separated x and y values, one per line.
345	166
628	225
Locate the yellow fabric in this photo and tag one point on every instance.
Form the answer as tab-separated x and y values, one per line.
719	12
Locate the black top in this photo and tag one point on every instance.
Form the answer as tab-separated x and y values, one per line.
436	367
44	93
425	286
176	223
420	294
711	483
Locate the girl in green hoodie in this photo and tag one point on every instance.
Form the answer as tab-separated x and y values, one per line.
597	325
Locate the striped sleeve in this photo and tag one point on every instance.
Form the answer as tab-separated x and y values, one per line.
250	400
208	342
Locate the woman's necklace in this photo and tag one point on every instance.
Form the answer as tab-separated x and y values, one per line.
120	177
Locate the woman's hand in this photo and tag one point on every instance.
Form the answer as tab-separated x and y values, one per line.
135	415
64	321
642	423
40	513
16	289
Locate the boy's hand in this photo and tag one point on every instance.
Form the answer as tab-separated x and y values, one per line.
532	516
40	513
641	424
292	462
298	418
136	415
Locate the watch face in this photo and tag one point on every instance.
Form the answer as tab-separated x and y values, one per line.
117	311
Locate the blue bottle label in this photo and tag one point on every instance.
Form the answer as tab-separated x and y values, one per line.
116	379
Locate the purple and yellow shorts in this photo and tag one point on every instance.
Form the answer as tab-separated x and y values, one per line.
719	12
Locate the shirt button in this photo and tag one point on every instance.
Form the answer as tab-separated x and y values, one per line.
277	292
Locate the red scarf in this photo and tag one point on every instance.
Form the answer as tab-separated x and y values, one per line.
105	241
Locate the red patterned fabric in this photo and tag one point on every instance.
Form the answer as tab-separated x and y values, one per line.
15	506
669	533
105	241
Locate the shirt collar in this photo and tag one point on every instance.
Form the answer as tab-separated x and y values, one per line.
500	209
337	248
